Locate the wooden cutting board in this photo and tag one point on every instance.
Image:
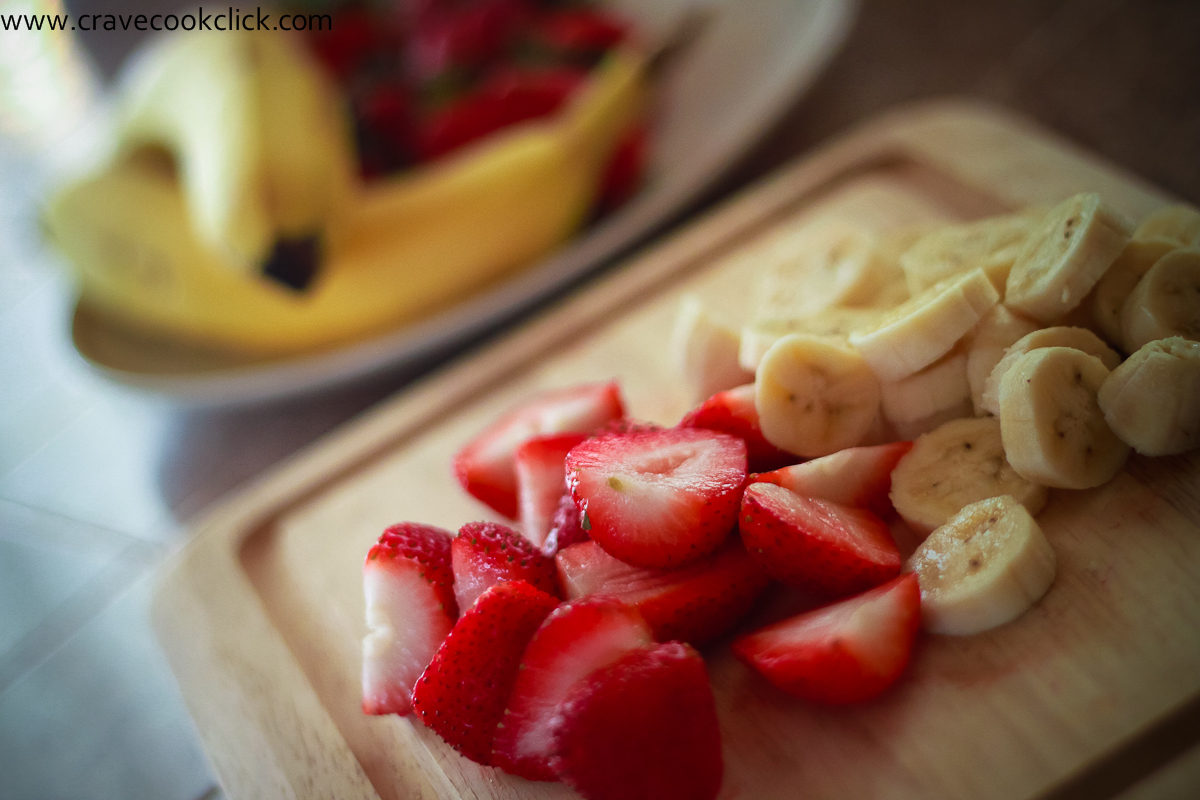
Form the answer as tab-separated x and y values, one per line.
262	614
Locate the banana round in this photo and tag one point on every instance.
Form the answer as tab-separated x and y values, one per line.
1110	294
996	332
1177	224
985	567
1061	336
814	395
990	244
960	463
705	352
1166	301
1053	430
938	388
1152	401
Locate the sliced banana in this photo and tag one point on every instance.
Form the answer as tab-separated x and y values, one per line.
814	396
705	352
1076	338
1166	301
1178	224
1110	294
986	566
1152	401
1065	258
990	244
836	321
937	389
918	332
960	463
996	332
1053	429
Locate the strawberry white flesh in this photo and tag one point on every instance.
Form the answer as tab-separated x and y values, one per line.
541	480
577	638
847	652
856	476
658	498
486	466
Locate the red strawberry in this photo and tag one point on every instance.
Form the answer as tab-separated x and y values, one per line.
658	498
486	553
846	652
541	476
856	476
580	30
624	171
567	527
577	639
485	467
695	604
733	412
410	609
816	545
643	728
462	693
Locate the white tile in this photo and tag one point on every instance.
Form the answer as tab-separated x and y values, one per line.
102	718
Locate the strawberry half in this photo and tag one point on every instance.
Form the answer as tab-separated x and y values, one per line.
694	604
642	728
541	478
486	553
462	693
578	638
658	498
486	467
733	412
847	652
410	609
856	476
816	545
567	527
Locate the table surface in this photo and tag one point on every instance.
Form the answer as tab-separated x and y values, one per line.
97	484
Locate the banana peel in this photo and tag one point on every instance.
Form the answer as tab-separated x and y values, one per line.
395	252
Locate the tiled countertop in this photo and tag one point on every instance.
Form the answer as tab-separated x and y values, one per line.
96	483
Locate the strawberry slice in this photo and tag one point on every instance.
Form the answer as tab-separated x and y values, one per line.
462	693
642	728
410	609
486	467
541	477
578	638
658	498
486	553
694	604
856	476
733	412
567	527
846	652
816	545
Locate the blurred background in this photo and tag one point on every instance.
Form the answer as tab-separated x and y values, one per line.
99	481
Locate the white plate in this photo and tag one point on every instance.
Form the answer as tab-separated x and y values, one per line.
746	67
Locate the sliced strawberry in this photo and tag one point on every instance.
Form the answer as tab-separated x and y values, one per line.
856	476
733	412
486	553
462	693
658	498
624	171
410	609
541	478
580	30
694	604
577	639
485	467
846	652
642	728
567	527
816	545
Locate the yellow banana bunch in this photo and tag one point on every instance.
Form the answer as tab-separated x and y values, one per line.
177	255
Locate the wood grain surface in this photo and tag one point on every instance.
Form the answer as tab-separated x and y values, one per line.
262	615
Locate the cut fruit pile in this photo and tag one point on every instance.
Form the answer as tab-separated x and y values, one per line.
562	648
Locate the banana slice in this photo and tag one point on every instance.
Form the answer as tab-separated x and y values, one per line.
1165	303
1179	225
835	322
1152	401
1076	338
986	566
814	396
935	391
960	463
918	332
991	244
1053	429
1110	294
1065	258
996	332
705	352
